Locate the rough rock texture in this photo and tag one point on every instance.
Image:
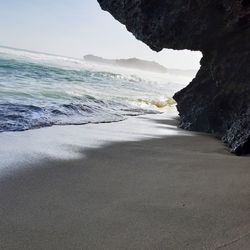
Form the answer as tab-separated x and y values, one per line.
218	99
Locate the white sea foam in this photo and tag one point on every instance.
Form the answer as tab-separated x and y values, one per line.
39	90
22	149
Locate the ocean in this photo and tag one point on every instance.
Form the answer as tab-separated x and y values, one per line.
40	90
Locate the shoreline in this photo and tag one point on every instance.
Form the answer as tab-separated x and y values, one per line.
154	191
69	141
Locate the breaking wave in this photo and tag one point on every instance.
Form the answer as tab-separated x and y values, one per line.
39	90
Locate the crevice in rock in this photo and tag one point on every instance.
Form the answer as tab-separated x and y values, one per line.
245	3
244	149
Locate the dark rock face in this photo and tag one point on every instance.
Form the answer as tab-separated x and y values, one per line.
218	99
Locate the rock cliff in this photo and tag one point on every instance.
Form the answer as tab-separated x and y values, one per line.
218	99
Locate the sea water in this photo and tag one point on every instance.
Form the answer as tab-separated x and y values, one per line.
39	90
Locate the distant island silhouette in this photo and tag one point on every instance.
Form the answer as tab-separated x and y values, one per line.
135	63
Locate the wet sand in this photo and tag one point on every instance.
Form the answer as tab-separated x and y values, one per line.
174	192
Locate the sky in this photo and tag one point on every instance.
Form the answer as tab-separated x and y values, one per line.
77	27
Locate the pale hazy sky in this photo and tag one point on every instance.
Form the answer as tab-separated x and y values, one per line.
77	27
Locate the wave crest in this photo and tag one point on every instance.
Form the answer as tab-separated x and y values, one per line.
160	104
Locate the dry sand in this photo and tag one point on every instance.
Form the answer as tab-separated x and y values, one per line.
176	192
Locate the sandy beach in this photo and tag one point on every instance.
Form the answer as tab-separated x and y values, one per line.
168	192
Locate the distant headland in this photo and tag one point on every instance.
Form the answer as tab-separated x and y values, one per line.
135	63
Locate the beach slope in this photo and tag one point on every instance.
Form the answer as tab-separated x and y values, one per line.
176	192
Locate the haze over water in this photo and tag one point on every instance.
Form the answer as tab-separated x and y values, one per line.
39	90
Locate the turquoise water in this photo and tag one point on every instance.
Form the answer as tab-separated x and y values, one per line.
38	90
